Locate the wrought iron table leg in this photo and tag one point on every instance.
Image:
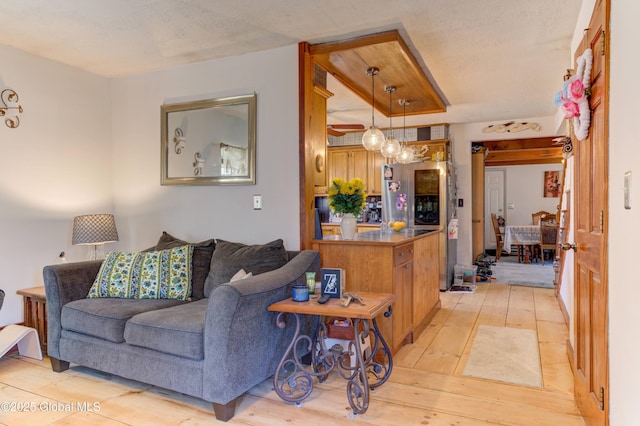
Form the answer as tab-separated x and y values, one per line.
358	384
370	372
379	363
292	381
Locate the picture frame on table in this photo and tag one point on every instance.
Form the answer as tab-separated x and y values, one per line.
332	282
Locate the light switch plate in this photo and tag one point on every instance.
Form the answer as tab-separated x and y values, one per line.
627	190
257	202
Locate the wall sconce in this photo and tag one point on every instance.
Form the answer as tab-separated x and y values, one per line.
11	109
179	140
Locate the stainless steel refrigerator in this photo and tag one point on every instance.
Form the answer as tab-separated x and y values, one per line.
424	196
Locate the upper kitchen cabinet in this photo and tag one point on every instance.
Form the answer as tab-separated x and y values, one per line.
355	162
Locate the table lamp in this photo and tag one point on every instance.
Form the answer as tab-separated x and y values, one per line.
94	230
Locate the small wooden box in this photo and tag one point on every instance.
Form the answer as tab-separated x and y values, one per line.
343	330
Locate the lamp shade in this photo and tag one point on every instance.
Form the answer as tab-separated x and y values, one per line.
94	229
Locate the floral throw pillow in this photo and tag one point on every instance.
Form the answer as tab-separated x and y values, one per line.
163	274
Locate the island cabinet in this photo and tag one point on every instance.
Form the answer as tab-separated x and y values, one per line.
404	264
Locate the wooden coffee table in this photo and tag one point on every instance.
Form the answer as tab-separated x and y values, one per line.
293	382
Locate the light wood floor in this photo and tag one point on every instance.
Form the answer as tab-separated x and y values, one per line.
426	387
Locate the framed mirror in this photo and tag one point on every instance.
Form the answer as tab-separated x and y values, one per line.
209	142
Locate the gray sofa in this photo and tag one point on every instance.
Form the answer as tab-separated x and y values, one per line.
214	348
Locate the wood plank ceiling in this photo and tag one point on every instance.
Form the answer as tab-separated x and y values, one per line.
349	60
521	151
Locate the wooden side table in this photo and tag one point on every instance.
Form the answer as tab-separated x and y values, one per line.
35	312
294	383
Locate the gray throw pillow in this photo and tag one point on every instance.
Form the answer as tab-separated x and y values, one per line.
228	258
201	260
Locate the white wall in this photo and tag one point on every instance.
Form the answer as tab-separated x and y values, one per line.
524	190
54	166
195	213
624	225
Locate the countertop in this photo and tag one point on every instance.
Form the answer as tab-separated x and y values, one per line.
387	237
371	224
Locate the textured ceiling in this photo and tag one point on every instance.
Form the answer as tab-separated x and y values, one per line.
490	59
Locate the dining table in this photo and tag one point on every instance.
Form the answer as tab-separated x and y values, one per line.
522	236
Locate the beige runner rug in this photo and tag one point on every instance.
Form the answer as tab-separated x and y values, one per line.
505	354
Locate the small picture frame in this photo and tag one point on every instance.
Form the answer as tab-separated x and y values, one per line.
552	186
333	282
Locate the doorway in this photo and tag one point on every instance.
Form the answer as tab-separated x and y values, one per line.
493	202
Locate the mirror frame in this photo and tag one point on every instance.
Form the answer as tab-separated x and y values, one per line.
167	145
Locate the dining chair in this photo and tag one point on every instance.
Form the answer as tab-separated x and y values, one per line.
542	216
499	236
548	239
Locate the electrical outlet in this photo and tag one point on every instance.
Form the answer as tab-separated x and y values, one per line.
257	202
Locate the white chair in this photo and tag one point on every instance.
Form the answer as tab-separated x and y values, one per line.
25	337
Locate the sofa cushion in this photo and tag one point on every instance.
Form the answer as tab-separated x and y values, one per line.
164	274
106	318
228	258
201	260
177	330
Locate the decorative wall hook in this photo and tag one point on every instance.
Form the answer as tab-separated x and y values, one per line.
11	109
179	140
198	164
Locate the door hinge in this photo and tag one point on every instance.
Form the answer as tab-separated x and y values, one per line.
601	398
602	221
604	42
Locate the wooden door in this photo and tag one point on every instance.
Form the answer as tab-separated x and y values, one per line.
337	164
402	312
360	167
376	160
590	226
493	203
477	203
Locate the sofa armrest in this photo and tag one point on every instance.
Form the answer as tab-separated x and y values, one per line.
65	283
242	343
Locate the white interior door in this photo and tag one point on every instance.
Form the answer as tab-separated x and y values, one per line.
493	203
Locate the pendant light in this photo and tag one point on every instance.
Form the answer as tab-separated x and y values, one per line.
373	138
406	153
391	147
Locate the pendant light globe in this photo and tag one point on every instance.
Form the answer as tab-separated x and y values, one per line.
373	139
391	147
406	153
405	156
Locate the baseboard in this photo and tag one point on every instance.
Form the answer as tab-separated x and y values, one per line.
563	309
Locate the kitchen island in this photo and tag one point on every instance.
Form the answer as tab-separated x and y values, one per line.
404	263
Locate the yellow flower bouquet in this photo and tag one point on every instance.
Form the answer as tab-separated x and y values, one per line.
347	197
